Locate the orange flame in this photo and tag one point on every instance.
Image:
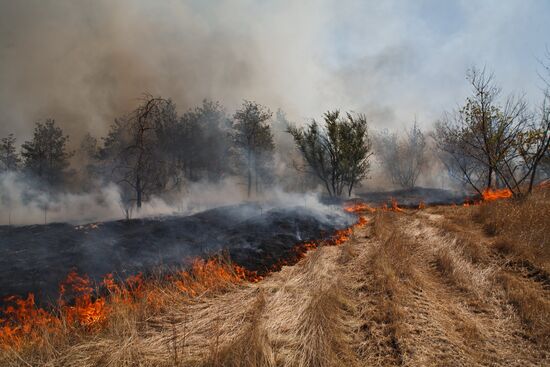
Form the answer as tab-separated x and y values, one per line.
23	323
206	275
358	207
490	194
394	206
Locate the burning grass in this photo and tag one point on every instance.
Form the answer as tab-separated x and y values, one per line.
83	308
114	310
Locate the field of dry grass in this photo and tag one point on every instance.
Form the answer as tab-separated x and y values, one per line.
443	286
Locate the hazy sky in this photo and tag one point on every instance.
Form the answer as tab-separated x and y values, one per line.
85	62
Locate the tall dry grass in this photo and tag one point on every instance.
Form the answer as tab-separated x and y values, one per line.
520	229
521	226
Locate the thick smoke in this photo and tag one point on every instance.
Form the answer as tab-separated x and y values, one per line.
24	201
87	62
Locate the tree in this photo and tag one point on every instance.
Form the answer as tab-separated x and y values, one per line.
254	139
338	154
404	158
132	152
46	155
9	159
198	143
476	139
530	149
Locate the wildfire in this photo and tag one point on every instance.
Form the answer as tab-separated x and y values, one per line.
86	311
81	305
490	194
358	207
207	275
394	206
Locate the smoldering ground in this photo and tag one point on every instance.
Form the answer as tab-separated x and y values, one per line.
37	258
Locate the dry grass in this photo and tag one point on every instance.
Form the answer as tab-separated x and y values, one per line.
388	272
251	348
521	226
425	289
321	339
532	305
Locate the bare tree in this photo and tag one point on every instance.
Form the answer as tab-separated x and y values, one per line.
254	139
338	154
476	139
403	159
521	163
133	152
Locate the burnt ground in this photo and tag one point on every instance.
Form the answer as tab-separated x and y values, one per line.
37	258
411	198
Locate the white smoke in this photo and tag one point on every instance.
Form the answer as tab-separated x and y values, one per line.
24	201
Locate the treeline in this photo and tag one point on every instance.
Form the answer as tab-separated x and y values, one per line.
152	151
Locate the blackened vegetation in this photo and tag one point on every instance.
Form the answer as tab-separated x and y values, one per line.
413	197
37	258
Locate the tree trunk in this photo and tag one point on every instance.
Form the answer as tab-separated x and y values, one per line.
490	178
249	174
350	189
138	192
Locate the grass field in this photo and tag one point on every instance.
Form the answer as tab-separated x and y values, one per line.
442	286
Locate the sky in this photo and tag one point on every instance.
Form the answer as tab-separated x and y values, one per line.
86	62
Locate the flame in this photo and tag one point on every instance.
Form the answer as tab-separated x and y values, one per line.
394	206
83	306
205	275
358	207
490	194
422	205
85	310
22	320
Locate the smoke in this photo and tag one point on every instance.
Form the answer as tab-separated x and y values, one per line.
84	63
24	201
87	62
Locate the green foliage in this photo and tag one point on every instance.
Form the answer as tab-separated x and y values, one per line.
338	154
46	155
